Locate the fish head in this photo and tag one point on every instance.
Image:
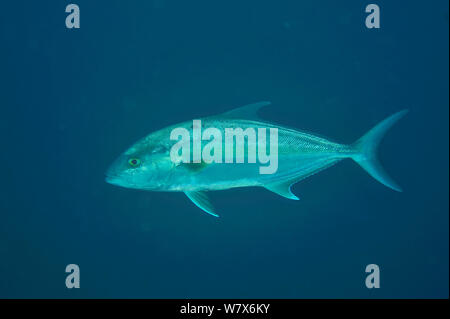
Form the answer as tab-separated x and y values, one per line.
145	165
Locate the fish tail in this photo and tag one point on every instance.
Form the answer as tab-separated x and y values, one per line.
365	150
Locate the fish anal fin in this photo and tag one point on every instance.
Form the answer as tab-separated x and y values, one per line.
283	188
249	111
201	200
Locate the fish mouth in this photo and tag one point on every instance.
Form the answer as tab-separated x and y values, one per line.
116	179
119	181
112	177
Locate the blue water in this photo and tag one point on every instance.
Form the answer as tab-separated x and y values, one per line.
72	100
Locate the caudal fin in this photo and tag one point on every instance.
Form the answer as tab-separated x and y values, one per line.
366	150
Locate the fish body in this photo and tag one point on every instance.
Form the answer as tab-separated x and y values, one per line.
299	155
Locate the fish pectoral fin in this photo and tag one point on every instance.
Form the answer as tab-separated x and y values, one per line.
202	201
249	112
195	167
283	189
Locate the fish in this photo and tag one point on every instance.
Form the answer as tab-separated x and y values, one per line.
148	165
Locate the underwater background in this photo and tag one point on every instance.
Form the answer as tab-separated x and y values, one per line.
73	100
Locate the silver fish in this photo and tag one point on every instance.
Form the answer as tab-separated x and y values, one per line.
147	164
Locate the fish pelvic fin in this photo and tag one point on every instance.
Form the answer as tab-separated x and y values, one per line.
282	188
366	150
201	200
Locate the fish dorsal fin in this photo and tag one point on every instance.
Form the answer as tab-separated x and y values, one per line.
283	188
248	112
202	201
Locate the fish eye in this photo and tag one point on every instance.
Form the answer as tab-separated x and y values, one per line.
135	162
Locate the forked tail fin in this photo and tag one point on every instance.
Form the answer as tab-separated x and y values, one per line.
366	150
